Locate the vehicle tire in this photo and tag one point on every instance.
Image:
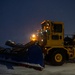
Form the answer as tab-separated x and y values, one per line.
57	58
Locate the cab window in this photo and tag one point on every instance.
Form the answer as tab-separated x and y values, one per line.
57	28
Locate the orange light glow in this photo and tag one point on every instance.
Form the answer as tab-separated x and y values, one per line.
47	27
33	37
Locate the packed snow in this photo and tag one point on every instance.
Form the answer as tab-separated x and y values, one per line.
66	69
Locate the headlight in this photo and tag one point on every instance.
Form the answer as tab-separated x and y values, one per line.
33	37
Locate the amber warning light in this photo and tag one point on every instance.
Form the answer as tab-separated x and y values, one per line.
33	37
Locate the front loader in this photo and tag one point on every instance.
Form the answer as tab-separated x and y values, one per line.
49	44
56	47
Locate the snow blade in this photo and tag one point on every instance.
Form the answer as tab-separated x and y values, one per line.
31	57
35	55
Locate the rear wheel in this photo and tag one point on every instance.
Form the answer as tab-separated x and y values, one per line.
57	58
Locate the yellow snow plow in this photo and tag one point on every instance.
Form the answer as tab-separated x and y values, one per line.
49	44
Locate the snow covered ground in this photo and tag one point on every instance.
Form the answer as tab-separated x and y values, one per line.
66	69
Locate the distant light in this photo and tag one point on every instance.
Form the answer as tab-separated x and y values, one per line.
46	30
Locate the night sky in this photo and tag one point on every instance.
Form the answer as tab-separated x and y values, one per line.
20	18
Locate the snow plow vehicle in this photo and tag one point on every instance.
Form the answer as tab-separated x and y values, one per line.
49	44
56	47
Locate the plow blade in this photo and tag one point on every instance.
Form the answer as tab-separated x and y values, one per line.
31	57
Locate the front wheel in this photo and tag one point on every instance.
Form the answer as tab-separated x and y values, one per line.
57	58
